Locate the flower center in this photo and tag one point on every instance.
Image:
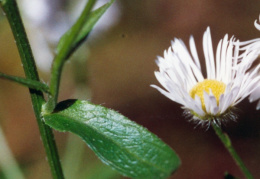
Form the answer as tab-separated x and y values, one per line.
217	88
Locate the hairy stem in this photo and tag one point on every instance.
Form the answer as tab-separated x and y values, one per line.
11	10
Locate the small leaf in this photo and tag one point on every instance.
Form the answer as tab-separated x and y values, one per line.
91	21
119	142
89	24
33	84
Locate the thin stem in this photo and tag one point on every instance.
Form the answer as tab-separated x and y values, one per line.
227	143
61	57
13	15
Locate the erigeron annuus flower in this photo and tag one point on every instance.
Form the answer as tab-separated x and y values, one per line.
229	79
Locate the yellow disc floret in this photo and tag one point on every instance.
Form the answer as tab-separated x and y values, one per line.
217	88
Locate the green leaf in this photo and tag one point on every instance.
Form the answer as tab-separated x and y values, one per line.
91	20
117	141
33	84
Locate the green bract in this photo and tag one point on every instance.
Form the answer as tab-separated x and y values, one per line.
119	142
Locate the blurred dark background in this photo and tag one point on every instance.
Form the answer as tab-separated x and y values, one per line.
115	68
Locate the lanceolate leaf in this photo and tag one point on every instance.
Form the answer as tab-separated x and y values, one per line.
124	145
33	84
90	22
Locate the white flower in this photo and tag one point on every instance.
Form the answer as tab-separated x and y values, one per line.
228	80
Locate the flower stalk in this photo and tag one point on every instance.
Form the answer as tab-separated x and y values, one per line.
228	145
11	10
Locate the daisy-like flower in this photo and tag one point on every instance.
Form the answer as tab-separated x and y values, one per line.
229	79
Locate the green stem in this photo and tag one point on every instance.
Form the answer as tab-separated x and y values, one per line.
13	15
62	56
227	143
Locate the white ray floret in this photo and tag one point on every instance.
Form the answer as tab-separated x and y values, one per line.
248	46
229	78
257	25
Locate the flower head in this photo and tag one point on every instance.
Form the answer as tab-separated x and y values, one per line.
229	79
